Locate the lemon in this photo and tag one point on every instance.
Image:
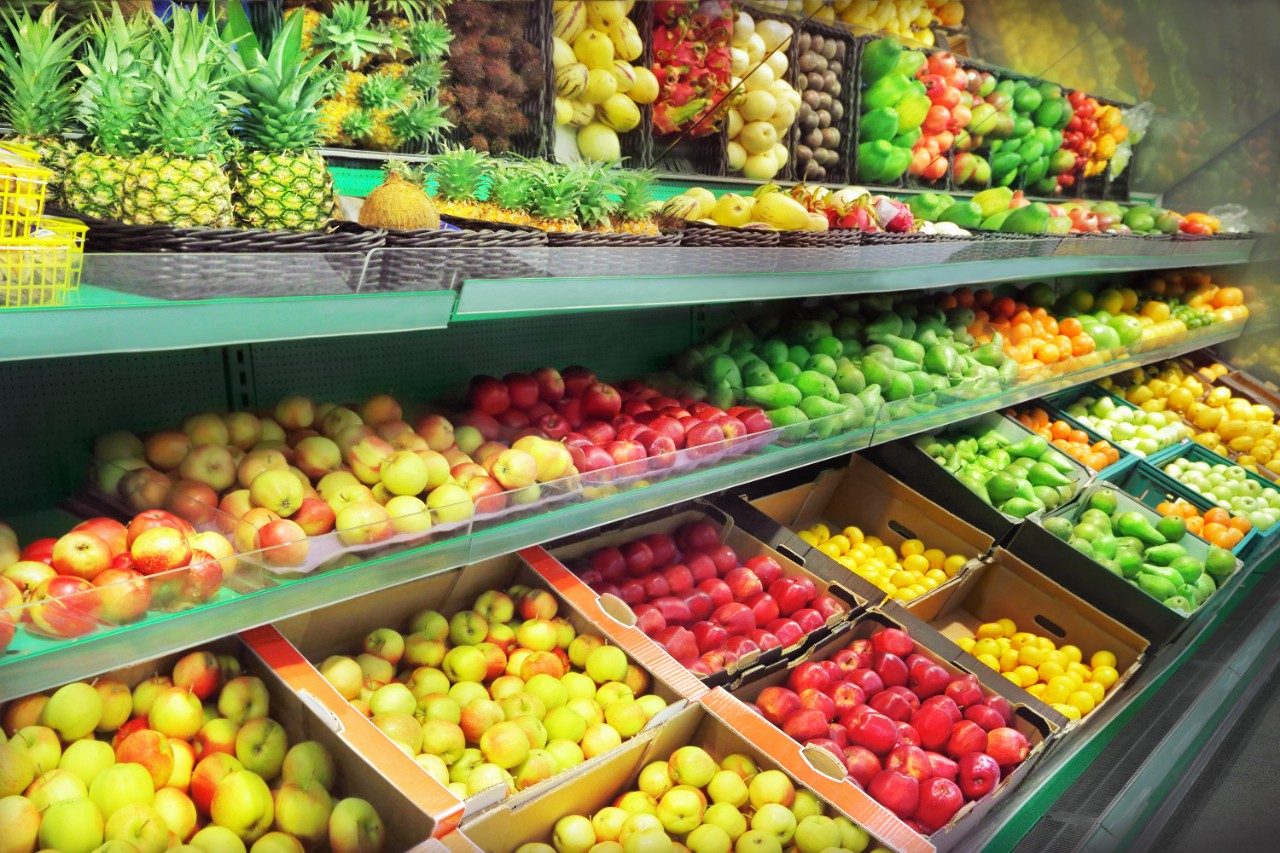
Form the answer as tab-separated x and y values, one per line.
1095	690
990	629
809	538
874	541
1102	658
1013	676
1031	656
1008	659
1037	690
936	558
929	584
829	549
1071	712
901	578
953	564
1021	639
990	661
840	542
821	531
1082	701
1057	657
1073	653
965	643
916	563
912	546
1027	675
1046	644
1105	675
1077	668
1058	689
1049	671
936	575
986	646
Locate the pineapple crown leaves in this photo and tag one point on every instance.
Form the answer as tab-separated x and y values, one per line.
459	172
428	40
556	191
421	121
426	76
115	91
358	124
635	194
37	86
348	32
511	185
283	90
382	91
193	98
596	182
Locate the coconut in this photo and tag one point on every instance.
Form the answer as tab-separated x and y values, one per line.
399	205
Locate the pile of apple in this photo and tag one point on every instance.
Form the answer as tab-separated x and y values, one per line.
947	86
918	739
103	572
187	758
693	596
692	802
506	693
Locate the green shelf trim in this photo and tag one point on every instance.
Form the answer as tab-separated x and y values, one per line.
49	663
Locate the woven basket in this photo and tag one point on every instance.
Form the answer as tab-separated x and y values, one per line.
716	236
834	239
453	255
111	236
614	239
895	238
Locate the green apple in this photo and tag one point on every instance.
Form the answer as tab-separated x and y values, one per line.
55	786
740	764
806	803
505	744
72	826
443	739
140	826
393	698
466	692
539	766
87	758
815	833
691	765
438	706
771	786
117	703
423	651
450	503
578	685
261	745
709	838
608	822
727	817
176	712
242	699
344	674
277	842
534	730
757	841
470	759
120	785
21	822
242	803
573	834
74	711
549	690
627	717
488	775
640	822
567	753
599	739
582	647
638	802
217	839
354	827
727	787
41	743
523	705
613	691
775	819
176	810
465	663
428	679
308	762
430	623
303	812
564	723
655	779
606	663
652	704
852	837
648	840
403	729
680	810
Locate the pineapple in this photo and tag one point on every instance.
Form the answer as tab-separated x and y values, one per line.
593	205
429	40
635	204
349	33
554	198
281	181
509	192
459	173
37	89
180	178
382	91
111	101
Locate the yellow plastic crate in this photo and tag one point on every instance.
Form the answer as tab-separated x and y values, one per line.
45	268
23	186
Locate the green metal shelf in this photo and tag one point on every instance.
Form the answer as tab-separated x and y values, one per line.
54	663
140	303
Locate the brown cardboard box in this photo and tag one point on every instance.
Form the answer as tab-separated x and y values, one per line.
292	705
1010	588
1038	729
744	543
718	726
339	629
881	505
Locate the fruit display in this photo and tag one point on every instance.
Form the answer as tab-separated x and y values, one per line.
1216	526
1249	500
764	103
389	64
831	368
102	573
1094	133
1021	128
190	756
1075	442
1056	675
1031	337
921	737
693	63
1017	473
600	79
707	606
823	60
1149	551
495	76
894	106
1142	433
910	572
506	693
909	19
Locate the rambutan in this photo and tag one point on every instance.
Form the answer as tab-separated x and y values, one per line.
495	46
478	142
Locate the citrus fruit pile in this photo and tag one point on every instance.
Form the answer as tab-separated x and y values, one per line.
1216	526
907	573
1095	455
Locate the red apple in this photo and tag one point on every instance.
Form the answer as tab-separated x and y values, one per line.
124	595
867	679
788	631
941	766
81	555
817	700
947	704
1009	747
284	543
701	567
601	401
148	519
576	380
766	568
522	390
648	619
485	423
827	606
679	643
655	586
966	737
718	590
315	517
764	639
978	774
699	603
929	680
41	550
740	646
678	577
673	609
107	529
609	562
744	584
910	760
763	606
933	723
964	690
709	636
631	591
64	606
890	668
805	724
861	763
1002	705
808	675
808	619
897	792
893	641
488	395
940	799
892	705
639	558
986	716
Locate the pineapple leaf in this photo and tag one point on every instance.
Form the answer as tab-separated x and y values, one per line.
37	89
115	89
459	172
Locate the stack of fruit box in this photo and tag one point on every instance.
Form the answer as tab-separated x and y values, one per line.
1005	587
553	566
720	725
368	767
1039	723
905	460
339	629
1145	482
1110	593
862	495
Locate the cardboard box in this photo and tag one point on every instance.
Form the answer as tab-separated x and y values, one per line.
405	813
1009	588
832	581
905	460
1110	593
881	505
339	629
1039	723
717	725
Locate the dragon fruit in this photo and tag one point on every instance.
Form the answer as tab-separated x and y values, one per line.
892	214
691	61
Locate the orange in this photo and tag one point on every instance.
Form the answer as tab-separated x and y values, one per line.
1217	515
